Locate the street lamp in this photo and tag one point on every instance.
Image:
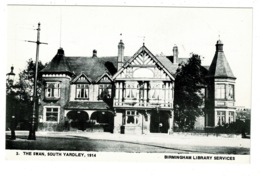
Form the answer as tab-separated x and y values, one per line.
10	76
10	79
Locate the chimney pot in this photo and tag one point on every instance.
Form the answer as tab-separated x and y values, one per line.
94	53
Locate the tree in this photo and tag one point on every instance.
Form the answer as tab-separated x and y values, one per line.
188	97
19	95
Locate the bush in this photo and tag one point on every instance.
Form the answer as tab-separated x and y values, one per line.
238	127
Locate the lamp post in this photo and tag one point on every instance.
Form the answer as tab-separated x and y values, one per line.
10	79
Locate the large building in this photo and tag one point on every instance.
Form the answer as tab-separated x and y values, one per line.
123	94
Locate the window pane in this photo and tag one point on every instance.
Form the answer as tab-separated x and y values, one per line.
52	117
52	90
55	110
231	117
221	117
220	91
82	91
48	109
52	114
230	91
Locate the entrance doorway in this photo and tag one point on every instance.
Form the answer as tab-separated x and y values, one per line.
159	121
104	119
78	119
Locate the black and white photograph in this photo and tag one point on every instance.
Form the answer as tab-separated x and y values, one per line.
133	83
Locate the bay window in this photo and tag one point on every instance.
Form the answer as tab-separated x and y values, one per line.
156	90
230	92
220	91
52	90
221	116
231	117
131	90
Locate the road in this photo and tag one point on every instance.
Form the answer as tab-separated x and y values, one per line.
105	142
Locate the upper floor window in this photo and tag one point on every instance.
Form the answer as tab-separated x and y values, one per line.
82	91
104	91
52	90
220	91
156	90
230	92
131	90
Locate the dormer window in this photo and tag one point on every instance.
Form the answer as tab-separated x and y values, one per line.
52	90
82	91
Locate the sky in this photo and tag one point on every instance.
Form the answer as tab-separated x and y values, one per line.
80	29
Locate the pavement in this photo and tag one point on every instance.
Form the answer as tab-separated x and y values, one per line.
176	141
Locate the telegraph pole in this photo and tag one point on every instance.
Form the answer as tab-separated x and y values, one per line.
34	118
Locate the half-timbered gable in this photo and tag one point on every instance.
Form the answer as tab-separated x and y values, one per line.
143	82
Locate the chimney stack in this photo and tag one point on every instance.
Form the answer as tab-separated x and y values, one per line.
175	54
120	58
94	53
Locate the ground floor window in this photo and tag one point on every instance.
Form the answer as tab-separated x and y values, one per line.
131	117
51	114
221	117
231	117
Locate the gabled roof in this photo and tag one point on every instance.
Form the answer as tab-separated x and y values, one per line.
219	67
58	64
179	60
77	77
103	76
93	67
162	62
166	61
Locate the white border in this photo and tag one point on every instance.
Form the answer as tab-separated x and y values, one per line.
117	168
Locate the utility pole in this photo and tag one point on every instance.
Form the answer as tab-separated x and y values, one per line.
34	118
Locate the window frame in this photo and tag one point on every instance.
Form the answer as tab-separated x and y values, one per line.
233	91
56	87
105	87
131	88
157	89
80	91
231	116
220	93
134	114
221	117
45	114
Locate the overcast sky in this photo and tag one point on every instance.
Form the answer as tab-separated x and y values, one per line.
80	29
